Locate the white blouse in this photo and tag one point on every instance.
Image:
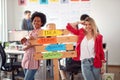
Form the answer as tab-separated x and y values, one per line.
87	49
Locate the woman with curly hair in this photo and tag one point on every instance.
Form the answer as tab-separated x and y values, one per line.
29	64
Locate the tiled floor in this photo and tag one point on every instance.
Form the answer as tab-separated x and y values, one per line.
111	69
7	76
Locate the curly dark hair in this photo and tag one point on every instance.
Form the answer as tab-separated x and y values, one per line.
41	15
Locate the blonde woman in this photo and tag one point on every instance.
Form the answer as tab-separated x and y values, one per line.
89	48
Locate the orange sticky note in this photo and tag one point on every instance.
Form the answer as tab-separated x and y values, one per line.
51	40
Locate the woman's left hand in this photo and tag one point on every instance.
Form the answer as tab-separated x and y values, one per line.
31	38
102	69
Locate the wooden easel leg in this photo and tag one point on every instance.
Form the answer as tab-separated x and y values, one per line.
56	69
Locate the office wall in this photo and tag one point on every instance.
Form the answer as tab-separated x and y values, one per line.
105	12
59	13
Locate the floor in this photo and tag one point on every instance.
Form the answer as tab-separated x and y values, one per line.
111	69
115	70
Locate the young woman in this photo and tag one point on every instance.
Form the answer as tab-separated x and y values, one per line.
89	48
29	64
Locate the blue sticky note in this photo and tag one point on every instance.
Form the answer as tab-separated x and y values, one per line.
43	1
55	47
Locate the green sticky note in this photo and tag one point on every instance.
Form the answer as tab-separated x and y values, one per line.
52	55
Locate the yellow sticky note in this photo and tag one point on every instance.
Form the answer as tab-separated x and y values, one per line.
33	0
54	0
52	32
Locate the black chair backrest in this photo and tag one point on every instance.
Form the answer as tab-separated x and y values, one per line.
73	66
3	55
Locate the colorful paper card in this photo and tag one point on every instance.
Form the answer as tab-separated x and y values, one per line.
54	40
33	0
43	1
52	32
51	55
64	1
75	0
54	0
56	47
21	2
57	32
50	40
62	47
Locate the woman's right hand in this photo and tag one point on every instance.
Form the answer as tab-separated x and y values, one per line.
75	24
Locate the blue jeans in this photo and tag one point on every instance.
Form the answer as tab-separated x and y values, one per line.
29	74
89	72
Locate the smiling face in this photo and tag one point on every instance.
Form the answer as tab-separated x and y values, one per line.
88	26
37	23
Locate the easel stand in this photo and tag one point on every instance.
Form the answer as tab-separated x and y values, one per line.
57	45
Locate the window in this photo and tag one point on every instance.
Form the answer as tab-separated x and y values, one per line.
3	20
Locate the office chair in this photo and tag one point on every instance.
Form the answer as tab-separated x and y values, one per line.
11	66
73	67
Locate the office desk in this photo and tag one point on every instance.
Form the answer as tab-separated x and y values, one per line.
17	52
14	53
40	74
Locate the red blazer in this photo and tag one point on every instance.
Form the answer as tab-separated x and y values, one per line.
98	48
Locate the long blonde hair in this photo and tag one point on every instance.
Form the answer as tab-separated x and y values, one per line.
94	26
